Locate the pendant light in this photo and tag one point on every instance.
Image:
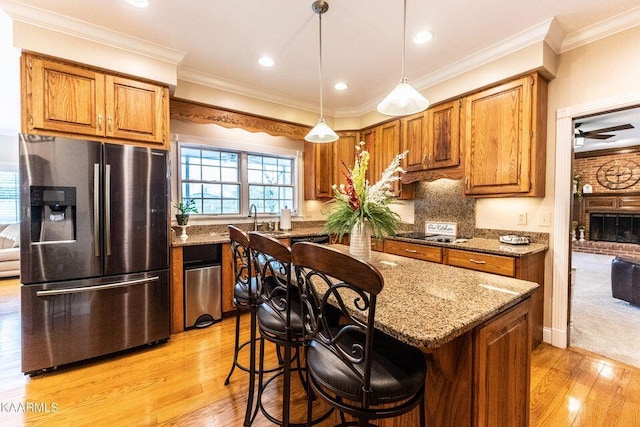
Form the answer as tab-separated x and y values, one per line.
321	132
404	99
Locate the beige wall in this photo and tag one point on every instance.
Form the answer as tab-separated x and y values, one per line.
37	39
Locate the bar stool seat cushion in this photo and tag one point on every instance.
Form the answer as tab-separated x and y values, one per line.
240	293
272	322
398	370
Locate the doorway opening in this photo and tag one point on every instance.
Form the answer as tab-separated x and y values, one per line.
605	187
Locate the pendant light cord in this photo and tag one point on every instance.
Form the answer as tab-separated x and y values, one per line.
404	36
320	37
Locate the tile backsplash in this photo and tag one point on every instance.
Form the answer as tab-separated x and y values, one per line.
443	200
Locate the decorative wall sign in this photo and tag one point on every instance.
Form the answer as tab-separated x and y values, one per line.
618	174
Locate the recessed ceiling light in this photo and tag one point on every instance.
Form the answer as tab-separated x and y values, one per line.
265	61
138	3
422	37
340	86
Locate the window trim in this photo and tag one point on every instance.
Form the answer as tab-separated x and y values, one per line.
243	150
13	167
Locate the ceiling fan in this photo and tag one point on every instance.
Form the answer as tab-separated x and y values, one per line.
600	133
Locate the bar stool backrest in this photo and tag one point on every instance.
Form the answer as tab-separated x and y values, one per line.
272	263
328	280
242	264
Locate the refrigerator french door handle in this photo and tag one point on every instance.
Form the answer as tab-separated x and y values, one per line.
107	208
96	209
51	292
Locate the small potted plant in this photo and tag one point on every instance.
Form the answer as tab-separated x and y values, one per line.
184	208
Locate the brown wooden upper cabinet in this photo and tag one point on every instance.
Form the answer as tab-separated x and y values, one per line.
318	167
433	137
65	99
504	134
344	150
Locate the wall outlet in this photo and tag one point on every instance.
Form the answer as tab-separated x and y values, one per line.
522	218
545	219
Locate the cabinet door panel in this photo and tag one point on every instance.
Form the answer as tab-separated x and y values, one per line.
444	135
414	139
498	139
134	110
502	369
344	154
64	98
388	148
318	166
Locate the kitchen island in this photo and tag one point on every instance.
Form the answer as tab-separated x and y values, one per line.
475	330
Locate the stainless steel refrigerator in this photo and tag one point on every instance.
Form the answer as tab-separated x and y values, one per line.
94	250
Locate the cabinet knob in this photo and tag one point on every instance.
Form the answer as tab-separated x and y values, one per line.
99	121
110	124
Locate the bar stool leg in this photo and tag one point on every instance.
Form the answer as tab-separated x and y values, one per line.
286	391
252	368
235	348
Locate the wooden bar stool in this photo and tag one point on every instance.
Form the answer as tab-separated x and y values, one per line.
349	364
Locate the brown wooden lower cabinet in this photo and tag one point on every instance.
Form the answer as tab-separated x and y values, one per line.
501	357
227	279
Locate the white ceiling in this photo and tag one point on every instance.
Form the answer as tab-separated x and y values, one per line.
221	39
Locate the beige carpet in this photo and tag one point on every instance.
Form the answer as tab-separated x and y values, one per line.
600	323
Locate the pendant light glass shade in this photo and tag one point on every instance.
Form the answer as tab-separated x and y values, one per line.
404	99
321	132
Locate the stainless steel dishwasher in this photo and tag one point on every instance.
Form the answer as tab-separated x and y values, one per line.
202	286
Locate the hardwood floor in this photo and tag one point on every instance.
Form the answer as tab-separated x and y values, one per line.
181	384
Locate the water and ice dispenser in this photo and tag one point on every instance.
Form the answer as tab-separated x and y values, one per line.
53	214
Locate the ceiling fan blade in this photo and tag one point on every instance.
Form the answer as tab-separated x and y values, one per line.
597	136
609	129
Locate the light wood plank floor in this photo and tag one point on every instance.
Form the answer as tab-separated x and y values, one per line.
181	384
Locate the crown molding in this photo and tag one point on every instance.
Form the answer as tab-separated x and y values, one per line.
83	30
599	30
254	92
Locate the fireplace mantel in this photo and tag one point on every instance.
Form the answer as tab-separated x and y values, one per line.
611	202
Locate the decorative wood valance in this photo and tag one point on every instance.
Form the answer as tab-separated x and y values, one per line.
205	114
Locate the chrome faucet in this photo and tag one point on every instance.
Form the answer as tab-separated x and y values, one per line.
255	216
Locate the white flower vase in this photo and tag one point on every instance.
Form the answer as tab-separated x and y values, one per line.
360	241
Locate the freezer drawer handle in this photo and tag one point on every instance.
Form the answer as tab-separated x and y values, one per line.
95	288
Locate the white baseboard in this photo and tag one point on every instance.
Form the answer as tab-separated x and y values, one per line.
558	338
546	335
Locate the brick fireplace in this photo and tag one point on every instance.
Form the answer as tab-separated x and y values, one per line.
611	213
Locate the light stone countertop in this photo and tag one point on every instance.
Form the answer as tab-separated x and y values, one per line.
427	304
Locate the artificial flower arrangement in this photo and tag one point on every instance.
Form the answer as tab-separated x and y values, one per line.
357	203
